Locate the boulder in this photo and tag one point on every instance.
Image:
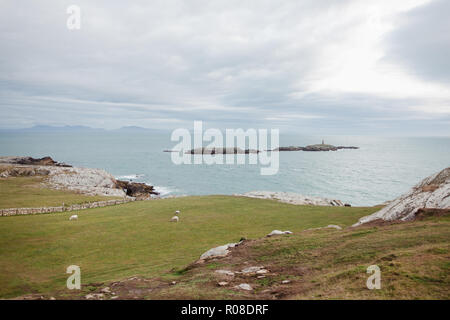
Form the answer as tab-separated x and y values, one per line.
334	226
244	286
94	296
431	193
136	189
252	269
218	252
278	232
330	226
225	272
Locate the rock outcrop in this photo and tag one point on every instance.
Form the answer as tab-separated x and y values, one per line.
432	192
218	252
45	161
136	189
293	198
84	180
23	171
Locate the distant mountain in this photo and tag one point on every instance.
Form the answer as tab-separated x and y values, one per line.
138	129
132	128
64	128
46	128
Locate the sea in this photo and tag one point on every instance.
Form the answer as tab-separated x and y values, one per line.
380	170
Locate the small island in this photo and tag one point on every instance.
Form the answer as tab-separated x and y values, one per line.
315	147
234	150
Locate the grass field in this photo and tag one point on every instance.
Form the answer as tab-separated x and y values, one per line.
414	259
28	192
136	238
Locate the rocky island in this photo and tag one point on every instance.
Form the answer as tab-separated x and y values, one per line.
315	147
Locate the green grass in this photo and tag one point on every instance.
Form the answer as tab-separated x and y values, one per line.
137	238
331	264
28	192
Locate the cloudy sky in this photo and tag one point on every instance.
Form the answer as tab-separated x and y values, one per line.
329	66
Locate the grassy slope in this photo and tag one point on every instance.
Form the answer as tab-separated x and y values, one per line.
27	192
136	239
331	264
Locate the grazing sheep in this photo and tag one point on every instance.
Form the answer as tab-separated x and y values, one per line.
174	219
73	217
177	212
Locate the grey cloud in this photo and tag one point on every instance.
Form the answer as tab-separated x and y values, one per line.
422	42
167	63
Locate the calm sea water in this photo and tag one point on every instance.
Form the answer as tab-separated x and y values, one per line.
380	170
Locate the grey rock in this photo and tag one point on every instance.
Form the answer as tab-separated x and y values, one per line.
293	198
431	192
244	286
278	232
334	226
225	272
217	252
252	269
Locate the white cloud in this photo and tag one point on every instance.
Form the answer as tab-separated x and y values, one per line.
219	61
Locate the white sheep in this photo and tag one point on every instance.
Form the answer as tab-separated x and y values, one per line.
177	212
73	217
174	219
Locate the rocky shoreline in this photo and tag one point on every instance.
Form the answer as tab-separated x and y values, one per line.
294	198
45	161
87	181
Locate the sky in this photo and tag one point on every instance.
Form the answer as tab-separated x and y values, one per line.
375	67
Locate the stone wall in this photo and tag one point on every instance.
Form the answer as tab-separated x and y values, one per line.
88	205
